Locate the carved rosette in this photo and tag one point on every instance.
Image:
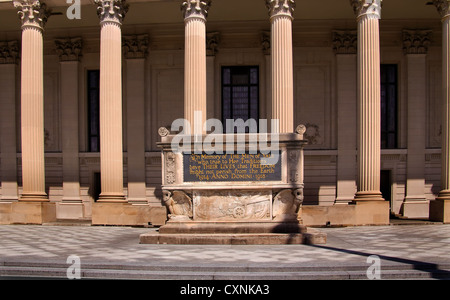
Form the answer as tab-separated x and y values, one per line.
111	11
443	7
69	49
416	41
135	46
345	42
280	8
367	8
9	52
195	9
32	13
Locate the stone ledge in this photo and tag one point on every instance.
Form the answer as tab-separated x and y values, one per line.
233	239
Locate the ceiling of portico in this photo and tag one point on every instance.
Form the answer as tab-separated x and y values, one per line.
168	12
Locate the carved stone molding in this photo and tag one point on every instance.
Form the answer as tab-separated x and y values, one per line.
135	46
195	9
111	10
266	42
345	41
443	7
416	41
69	49
32	13
286	204
212	43
280	8
367	8
9	52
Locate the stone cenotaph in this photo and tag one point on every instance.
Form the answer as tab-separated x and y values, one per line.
244	188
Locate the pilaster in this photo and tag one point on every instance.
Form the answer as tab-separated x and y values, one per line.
415	46
111	14
69	53
281	16
135	50
33	15
344	46
9	54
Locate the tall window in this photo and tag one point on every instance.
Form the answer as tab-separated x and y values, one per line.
93	88
389	94
240	93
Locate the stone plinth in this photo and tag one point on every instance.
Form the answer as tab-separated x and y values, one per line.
236	192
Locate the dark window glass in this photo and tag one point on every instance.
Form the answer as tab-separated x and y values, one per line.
94	110
240	94
389	95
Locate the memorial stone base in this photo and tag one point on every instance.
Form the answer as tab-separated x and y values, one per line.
238	194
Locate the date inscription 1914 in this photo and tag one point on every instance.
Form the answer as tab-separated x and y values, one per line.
230	167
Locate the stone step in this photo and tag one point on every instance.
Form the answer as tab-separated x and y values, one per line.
199	273
231	227
233	239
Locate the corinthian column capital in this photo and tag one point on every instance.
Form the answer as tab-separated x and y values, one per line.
280	8
367	8
196	8
443	7
9	52
32	13
69	49
111	10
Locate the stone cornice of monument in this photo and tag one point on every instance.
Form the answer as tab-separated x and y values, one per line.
345	41
280	8
111	11
416	41
195	9
69	49
9	52
443	7
367	8
32	13
135	46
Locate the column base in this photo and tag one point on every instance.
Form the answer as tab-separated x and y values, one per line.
112	198
368	196
440	208
415	208
34	197
22	212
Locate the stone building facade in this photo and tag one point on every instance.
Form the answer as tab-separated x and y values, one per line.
82	98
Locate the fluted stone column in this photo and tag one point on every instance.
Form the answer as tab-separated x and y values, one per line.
33	15
111	14
281	16
135	49
415	46
195	13
9	54
368	13
69	52
440	209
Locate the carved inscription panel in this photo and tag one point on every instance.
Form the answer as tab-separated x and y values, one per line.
230	167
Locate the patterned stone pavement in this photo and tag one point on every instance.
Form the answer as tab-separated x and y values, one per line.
345	246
